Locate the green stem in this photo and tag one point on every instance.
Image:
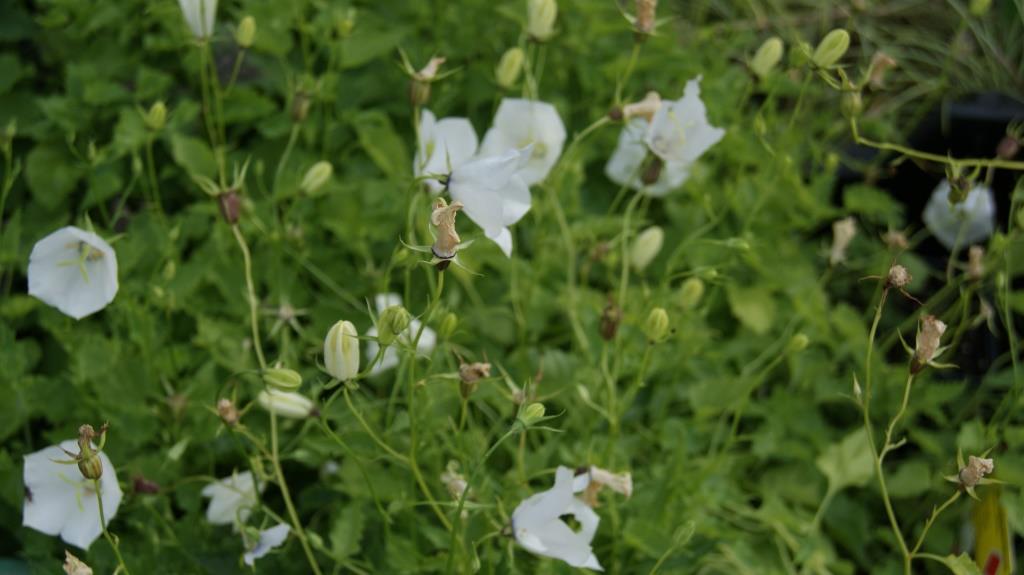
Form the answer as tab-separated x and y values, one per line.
234	71
151	171
106	534
945	160
253	305
899	415
286	495
292	137
366	427
935	515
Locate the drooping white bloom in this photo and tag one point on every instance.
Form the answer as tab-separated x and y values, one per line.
444	145
59	500
341	351
231	499
968	222
538	527
73	270
520	123
680	131
269	540
428	339
625	167
285	403
493	193
199	15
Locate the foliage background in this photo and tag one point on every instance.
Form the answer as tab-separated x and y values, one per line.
753	222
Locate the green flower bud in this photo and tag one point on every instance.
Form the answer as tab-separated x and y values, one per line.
851	104
540	18
282	379
246	32
509	67
767	57
89	462
392	321
532	414
316	176
448	325
831	48
800	55
286	403
797	343
646	247
691	293
979	7
156	117
656	326
345	22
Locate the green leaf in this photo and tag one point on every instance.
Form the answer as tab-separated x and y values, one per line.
10	71
384	146
347	531
753	306
193	155
847	463
51	174
961	564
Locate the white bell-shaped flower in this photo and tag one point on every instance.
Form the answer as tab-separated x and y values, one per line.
426	344
968	222
538	527
520	123
286	403
269	539
444	145
341	351
73	270
231	499
200	16
680	131
59	500
493	193
625	167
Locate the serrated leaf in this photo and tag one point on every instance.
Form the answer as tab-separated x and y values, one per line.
848	462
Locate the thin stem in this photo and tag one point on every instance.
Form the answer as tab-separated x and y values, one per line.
234	71
630	66
284	155
286	495
366	427
899	415
253	304
106	534
935	515
946	160
151	171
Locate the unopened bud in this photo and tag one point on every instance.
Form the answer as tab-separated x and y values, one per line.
300	106
282	379
532	414
509	67
230	206
316	176
831	48
286	403
646	247
898	277
341	351
976	262
798	343
540	18
345	22
851	104
392	321
89	462
690	293
227	411
979	7
156	117
767	57
246	32
656	328
419	87
645	16
1008	148
449	324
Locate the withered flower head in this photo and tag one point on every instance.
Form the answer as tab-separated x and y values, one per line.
898	277
927	345
976	262
227	411
443	218
645	108
895	239
976	469
843	232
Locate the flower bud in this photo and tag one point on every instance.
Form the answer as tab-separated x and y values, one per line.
646	247
976	470
285	403
898	277
89	462
767	57
345	22
976	262
227	411
540	18
156	117
316	176
799	55
979	7
419	88
392	321
246	32
690	293
300	106
843	232
831	48
1008	148
645	12
341	351
75	566
928	335
610	318
448	325
798	343
532	414
509	67
230	204
656	326
282	379
851	104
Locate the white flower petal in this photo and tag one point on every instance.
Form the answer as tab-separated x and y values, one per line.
54	275
269	539
545	506
199	15
626	163
231	498
966	223
504	240
444	145
59	500
680	131
518	123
